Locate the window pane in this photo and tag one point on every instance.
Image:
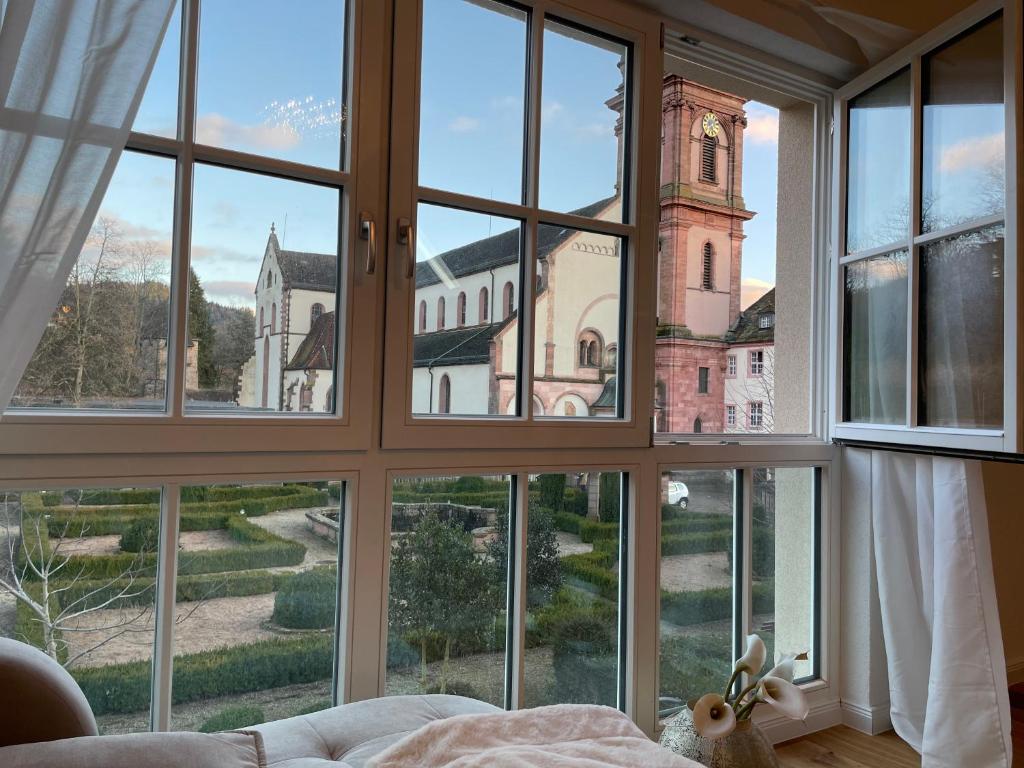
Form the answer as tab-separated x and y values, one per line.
465	313
448	586
158	112
95	550
256	603
878	166
572	597
782	558
270	80
262	294
581	151
963	173
577	315
473	86
961	333
735	290
696	584
875	340
106	343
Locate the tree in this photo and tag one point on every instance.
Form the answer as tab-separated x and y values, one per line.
552	492
200	329
233	341
440	590
543	567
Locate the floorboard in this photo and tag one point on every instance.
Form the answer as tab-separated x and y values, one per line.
843	747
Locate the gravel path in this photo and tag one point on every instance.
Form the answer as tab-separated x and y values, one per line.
570	544
292	524
189	541
687	573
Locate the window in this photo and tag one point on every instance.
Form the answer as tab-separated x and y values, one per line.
509	301
925	233
730	415
315	312
730	366
460	310
767	320
703	382
611	357
708	159
590	351
484	305
569	409
698	425
440	314
261	323
756	362
444	395
756	418
708	268
423	317
273	319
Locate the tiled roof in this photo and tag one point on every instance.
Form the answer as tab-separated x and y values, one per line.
459	346
312	271
747	329
316	352
496	251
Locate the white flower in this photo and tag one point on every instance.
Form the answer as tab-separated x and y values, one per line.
784	669
713	718
784	697
753	659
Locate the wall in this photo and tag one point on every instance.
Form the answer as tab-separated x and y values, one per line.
1004	484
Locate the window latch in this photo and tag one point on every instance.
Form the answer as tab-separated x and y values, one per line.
368	232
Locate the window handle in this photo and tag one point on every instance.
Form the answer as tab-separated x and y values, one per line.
407	237
368	232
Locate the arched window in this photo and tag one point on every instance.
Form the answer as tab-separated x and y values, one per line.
314	313
440	314
583	352
444	395
270	278
611	356
590	349
273	318
329	403
708	159
423	316
570	409
707	268
485	299
508	300
460	310
698	425
261	323
594	353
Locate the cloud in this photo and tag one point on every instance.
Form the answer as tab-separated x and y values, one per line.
221	131
221	255
551	111
463	124
975	152
233	292
762	128
752	289
596	130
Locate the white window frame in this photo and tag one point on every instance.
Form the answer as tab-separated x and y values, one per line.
1005	440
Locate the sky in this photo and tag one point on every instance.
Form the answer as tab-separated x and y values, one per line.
271	83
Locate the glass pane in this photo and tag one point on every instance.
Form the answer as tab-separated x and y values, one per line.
472	99
158	112
963	172
572	589
106	343
961	334
448	586
878	165
256	603
875	340
465	313
262	320
270	79
735	289
782	558
696	582
95	552
577	320
581	148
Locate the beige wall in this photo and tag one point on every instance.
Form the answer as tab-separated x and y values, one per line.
1004	496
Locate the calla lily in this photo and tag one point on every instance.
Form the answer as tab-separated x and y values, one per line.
753	660
784	669
784	697
713	718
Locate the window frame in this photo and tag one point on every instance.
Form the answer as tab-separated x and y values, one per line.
910	433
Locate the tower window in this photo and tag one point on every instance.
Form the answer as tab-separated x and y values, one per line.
440	313
707	274
708	159
703	380
460	310
314	312
484	305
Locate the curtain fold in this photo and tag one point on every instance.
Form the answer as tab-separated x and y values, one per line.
947	671
72	75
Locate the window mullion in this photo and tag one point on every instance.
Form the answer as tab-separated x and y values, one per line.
914	250
516	619
742	560
166	589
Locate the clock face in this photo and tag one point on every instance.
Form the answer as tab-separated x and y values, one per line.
711	124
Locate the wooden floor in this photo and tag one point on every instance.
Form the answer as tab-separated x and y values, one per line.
843	747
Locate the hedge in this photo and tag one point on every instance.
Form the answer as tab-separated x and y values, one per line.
233	718
568	522
307	600
132	496
124	688
701	541
489	499
697	607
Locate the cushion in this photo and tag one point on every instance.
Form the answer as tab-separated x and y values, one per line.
237	749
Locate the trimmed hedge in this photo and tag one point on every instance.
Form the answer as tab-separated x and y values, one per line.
232	718
143	535
701	541
489	499
568	522
132	496
124	688
307	600
685	608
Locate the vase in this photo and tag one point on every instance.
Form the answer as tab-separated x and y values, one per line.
746	747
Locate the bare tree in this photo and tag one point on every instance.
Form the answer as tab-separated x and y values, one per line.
761	389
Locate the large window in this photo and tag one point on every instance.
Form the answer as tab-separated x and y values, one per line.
924	289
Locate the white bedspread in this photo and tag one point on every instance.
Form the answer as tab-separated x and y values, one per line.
561	736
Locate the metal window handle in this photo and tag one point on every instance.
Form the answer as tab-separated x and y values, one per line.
406	236
368	232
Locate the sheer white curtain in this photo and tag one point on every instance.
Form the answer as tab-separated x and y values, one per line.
72	74
947	672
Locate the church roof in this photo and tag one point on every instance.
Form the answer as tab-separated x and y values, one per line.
458	346
496	251
609	395
312	271
316	352
748	330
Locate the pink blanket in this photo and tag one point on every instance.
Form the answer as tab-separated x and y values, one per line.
561	736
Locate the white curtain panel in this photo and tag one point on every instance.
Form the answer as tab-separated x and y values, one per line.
72	75
947	672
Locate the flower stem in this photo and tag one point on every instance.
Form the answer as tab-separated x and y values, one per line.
746	690
747	709
728	686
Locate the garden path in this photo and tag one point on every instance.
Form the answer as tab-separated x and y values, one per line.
570	544
292	524
686	573
189	541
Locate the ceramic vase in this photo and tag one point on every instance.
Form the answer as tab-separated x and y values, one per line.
746	747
